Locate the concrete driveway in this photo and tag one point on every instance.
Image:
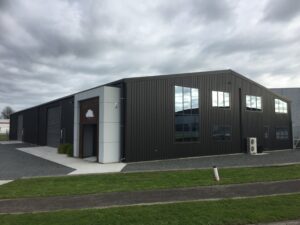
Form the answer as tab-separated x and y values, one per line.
80	166
17	164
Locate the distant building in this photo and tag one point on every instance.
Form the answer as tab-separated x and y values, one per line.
294	95
4	126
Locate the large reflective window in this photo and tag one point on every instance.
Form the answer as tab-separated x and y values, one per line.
215	99
220	99
195	98
258	103
187	99
186	114
253	103
178	99
226	100
281	106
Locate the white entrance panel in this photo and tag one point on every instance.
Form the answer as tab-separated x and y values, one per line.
109	122
110	125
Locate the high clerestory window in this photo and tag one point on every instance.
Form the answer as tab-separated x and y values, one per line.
186	114
220	99
253	103
280	106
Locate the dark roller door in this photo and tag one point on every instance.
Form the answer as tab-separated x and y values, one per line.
20	128
53	127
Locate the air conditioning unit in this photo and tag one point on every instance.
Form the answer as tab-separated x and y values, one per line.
252	145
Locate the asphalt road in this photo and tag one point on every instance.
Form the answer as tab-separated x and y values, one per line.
17	164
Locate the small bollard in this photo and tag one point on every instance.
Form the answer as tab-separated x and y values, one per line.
216	173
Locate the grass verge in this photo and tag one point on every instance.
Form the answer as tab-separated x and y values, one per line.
4	137
90	184
225	212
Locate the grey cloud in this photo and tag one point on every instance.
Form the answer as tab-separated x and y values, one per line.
4	4
281	10
48	50
212	10
246	44
196	10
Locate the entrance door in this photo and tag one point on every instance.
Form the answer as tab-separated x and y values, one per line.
89	120
53	126
89	147
20	128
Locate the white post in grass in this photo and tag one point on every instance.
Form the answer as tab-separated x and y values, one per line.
216	173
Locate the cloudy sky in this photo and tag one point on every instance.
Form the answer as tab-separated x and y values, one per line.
49	49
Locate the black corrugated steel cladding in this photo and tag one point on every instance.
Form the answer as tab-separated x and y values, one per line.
149	124
35	122
13	126
147	117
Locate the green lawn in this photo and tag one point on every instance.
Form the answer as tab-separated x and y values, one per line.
3	137
88	184
225	212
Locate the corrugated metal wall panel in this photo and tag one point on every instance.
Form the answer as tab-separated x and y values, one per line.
30	123
35	122
13	126
54	126
149	127
67	120
20	128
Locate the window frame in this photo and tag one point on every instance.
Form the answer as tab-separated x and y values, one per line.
254	109
277	109
221	107
282	139
191	105
217	140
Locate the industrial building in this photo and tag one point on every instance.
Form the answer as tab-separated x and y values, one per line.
161	117
294	95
